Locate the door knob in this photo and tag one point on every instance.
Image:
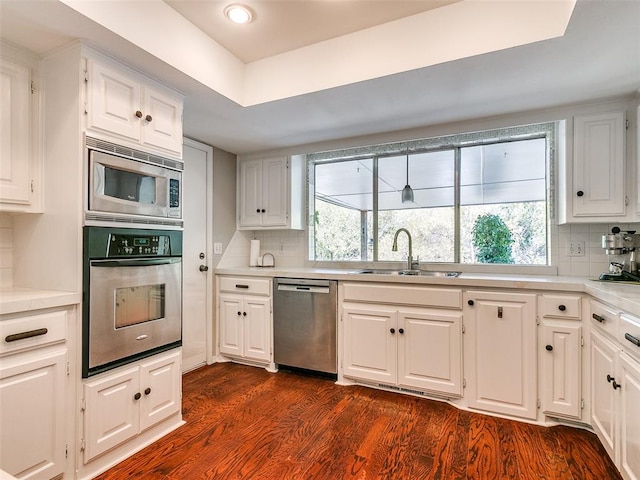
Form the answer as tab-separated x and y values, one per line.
204	268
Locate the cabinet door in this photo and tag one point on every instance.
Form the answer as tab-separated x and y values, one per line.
599	165
160	387
32	417
274	192
430	351
231	325
113	100
560	353
257	328
603	395
112	413
370	343
15	134
500	345
162	121
250	193
629	417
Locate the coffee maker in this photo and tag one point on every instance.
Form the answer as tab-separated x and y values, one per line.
622	248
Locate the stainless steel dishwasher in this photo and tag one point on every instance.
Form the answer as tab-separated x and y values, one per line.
305	323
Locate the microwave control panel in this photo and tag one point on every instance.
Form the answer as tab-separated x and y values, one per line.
136	245
174	193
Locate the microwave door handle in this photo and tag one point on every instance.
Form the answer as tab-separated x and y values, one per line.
141	262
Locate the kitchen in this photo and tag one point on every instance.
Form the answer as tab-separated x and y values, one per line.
29	239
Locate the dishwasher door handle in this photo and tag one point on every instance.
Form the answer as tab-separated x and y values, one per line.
302	289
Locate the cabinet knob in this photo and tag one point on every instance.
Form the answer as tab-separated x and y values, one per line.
610	379
562	308
470	302
148	118
392	330
138	114
549	348
239	313
204	268
137	396
257	210
401	330
244	314
616	385
147	391
262	211
580	193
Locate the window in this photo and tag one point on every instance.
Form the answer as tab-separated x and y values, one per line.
477	198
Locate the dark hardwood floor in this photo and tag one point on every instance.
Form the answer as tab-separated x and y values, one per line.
245	423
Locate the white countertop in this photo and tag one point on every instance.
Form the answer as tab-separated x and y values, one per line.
15	300
623	296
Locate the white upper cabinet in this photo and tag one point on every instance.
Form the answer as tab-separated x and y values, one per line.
133	108
270	194
596	186
20	189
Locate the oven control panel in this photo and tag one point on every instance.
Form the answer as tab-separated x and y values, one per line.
138	245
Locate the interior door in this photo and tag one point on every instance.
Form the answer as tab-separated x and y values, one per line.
197	301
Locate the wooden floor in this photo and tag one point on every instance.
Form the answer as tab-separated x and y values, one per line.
245	423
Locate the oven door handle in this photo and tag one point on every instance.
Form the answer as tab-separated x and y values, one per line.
140	262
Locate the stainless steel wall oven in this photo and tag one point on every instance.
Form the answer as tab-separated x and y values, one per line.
132	306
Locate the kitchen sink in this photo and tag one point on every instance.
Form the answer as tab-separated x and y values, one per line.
421	273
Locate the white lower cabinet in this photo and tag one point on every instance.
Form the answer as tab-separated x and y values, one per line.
403	346
560	350
615	389
500	352
34	394
629	417
32	418
119	405
244	318
560	353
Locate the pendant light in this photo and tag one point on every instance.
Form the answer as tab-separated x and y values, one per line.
407	191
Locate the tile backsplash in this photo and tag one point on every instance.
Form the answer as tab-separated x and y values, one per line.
6	250
289	248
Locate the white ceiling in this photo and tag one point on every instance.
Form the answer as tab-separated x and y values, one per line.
597	57
283	25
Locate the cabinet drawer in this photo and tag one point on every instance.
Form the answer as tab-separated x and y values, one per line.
561	306
604	317
247	285
629	334
32	331
403	295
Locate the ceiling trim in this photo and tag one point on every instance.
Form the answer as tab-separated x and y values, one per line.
452	32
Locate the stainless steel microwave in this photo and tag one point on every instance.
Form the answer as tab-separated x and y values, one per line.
126	184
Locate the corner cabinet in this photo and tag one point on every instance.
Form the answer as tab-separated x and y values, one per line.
403	337
122	103
244	319
20	163
270	193
560	347
500	352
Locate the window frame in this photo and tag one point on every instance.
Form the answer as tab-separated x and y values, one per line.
455	142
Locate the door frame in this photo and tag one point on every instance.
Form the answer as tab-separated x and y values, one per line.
208	150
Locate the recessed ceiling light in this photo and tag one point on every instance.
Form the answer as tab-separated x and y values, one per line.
238	13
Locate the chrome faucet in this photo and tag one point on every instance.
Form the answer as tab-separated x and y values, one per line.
411	265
